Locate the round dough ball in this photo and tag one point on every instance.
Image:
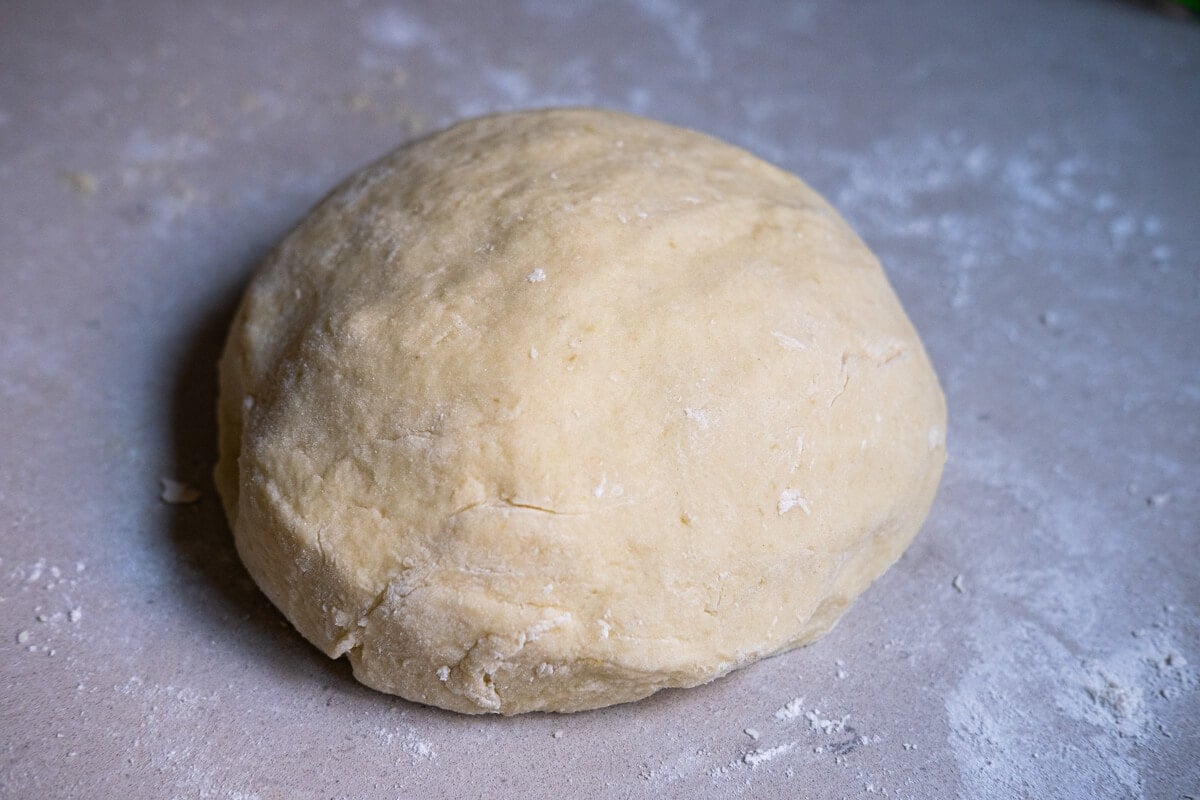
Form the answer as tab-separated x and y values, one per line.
552	410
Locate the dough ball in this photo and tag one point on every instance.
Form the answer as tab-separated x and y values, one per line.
552	410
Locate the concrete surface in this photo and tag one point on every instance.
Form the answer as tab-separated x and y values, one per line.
1027	171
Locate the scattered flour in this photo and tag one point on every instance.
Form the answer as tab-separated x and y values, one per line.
756	757
397	29
684	27
826	726
886	192
1032	717
794	709
1115	693
1117	702
194	763
51	592
791	710
836	749
407	740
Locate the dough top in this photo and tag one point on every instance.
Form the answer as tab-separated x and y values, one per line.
554	409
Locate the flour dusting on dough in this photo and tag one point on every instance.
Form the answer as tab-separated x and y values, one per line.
790	499
789	342
697	416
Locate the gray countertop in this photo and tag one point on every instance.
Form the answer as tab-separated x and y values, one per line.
1028	172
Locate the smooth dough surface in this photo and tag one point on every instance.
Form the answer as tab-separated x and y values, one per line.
555	409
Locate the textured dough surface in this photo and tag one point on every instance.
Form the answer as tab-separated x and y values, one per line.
552	410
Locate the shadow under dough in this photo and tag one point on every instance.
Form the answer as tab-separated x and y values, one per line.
199	532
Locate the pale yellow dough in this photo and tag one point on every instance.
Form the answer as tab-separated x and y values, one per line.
552	410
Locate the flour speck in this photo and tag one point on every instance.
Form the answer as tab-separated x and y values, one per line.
791	710
790	499
757	757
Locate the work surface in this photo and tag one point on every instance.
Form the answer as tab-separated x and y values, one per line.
1027	172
